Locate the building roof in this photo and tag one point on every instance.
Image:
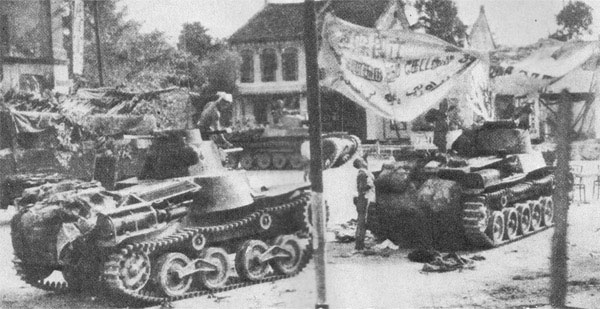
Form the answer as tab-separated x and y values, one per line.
285	21
481	36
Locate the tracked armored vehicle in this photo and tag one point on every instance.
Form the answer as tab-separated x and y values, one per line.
492	190
172	234
275	147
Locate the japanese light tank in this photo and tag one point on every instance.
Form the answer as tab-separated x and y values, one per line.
492	189
187	227
272	147
172	234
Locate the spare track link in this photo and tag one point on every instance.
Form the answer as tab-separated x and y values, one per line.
478	209
114	285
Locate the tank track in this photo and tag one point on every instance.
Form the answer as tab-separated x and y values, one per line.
480	213
42	283
109	279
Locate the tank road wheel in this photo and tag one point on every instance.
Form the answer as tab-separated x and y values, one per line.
263	160
296	161
134	270
511	219
495	229
536	215
524	218
217	278
548	210
166	274
279	161
247	262
247	161
288	265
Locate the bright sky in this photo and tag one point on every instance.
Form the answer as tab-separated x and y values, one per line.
513	22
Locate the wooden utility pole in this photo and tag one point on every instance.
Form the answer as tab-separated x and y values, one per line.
98	50
316	149
559	256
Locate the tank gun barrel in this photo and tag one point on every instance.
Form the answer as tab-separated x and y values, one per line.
137	220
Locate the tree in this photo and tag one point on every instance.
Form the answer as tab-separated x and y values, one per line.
220	68
575	19
194	40
441	16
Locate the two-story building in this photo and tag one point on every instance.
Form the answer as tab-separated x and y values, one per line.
32	55
273	65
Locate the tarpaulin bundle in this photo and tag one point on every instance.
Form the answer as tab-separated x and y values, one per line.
100	125
35	122
107	100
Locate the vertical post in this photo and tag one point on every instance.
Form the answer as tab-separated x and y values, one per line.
98	50
316	165
559	256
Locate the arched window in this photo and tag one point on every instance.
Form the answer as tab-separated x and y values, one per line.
247	68
289	63
268	64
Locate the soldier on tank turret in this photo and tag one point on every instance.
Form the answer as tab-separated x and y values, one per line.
210	119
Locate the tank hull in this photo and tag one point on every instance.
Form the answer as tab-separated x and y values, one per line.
126	238
487	195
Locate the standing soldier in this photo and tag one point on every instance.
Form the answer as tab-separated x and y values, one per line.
439	118
366	196
210	119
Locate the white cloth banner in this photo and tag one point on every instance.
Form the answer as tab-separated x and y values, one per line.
397	74
551	61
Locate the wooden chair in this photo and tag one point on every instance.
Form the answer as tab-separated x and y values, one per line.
596	184
576	171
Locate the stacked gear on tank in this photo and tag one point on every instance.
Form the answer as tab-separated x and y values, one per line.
496	189
276	147
165	239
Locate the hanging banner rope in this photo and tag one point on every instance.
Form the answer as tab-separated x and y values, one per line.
397	74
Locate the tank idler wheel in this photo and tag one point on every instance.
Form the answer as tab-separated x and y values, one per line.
134	270
216	278
263	160
279	161
296	161
288	265
495	229
548	217
247	161
536	215
247	260
511	219
166	274
524	218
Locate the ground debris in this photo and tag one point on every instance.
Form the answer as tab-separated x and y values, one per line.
346	233
440	262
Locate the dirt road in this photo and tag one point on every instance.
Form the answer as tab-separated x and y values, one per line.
513	275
